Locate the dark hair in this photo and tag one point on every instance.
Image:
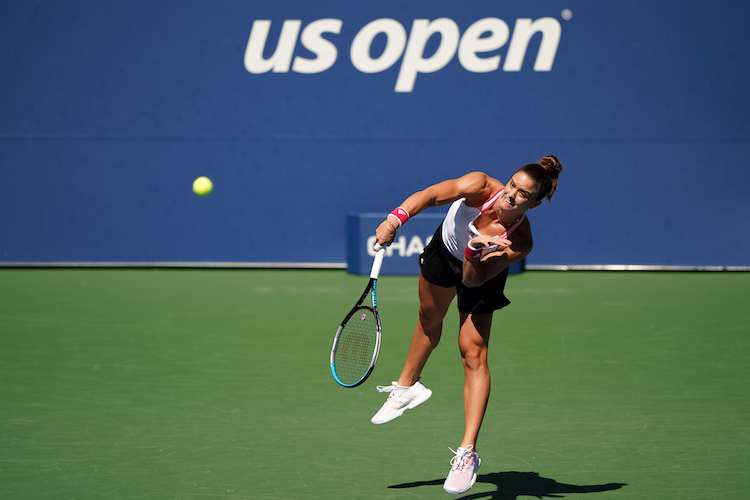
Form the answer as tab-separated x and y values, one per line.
544	174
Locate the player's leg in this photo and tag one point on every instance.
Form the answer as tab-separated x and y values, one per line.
433	305
409	392
473	343
473	340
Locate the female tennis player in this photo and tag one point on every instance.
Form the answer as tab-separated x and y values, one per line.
485	231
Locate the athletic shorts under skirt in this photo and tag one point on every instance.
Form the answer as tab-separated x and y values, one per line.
440	268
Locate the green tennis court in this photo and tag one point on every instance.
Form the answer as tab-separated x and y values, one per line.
200	384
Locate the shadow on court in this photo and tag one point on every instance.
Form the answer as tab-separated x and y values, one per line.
511	485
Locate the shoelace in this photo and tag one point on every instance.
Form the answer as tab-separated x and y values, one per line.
459	462
389	388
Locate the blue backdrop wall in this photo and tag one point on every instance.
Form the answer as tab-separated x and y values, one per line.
301	112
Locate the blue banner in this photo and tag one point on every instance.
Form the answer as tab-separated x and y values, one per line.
302	112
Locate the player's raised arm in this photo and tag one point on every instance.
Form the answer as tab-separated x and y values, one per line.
475	187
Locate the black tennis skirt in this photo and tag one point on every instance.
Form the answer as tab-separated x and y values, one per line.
441	268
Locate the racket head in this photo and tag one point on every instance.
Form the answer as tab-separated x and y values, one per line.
356	346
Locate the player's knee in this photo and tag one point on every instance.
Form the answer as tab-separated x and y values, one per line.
474	356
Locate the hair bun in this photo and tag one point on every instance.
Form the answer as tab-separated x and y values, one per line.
552	165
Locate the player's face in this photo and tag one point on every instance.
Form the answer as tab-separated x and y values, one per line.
519	195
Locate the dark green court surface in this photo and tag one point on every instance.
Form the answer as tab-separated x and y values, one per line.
203	384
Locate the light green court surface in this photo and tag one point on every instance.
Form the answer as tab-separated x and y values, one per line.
203	384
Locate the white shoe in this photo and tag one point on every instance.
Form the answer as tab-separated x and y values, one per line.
463	474
401	399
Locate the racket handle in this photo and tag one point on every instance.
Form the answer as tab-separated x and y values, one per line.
378	262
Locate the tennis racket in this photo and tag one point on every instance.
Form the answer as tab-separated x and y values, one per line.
357	341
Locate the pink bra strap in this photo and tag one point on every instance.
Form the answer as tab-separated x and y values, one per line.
514	226
487	204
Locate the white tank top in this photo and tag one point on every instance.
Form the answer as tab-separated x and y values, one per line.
458	226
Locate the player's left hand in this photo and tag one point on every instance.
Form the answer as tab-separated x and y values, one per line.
489	244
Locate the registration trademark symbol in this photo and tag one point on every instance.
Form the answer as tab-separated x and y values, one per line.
567	14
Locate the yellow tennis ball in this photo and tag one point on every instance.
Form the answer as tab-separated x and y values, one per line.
202	186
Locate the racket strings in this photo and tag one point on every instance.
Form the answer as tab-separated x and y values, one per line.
354	353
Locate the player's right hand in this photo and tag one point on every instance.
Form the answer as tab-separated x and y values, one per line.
385	233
